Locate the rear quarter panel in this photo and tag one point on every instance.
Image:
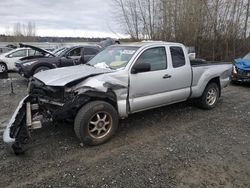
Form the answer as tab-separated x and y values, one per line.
203	74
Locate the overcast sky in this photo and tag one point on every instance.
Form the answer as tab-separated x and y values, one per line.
85	18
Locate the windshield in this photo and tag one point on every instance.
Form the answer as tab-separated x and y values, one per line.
247	56
57	52
113	57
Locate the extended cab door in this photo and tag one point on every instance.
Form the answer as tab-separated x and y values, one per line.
164	83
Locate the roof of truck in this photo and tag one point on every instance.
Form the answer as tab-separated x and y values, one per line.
149	43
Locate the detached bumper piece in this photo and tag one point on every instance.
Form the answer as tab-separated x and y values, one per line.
25	118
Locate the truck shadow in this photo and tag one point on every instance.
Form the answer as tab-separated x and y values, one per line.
63	135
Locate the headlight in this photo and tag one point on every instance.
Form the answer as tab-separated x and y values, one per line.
29	63
234	71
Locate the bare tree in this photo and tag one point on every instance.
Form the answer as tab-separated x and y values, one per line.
246	19
23	32
217	28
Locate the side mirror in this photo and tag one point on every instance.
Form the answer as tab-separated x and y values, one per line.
141	67
10	56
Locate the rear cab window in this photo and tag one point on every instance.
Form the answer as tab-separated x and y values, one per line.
178	57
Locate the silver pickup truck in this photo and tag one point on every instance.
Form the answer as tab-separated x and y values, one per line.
121	80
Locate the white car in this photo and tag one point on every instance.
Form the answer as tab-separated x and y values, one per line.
8	59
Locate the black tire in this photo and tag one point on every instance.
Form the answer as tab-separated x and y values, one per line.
85	116
40	69
204	102
3	67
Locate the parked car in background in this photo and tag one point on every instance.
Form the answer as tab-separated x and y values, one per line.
8	59
241	69
63	57
108	42
4	49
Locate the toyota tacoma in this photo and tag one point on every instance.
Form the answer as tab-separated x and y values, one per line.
120	80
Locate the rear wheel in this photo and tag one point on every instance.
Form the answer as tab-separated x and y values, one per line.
3	67
210	97
41	69
96	122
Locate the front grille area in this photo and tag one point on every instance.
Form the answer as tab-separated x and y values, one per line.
40	90
243	73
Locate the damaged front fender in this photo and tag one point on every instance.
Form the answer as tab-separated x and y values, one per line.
104	85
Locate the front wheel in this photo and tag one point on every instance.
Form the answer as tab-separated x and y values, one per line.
96	122
210	97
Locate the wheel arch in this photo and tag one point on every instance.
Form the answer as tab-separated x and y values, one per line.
1	61
41	65
70	109
109	97
215	80
199	88
5	64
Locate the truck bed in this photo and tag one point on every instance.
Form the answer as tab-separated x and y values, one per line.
203	71
202	62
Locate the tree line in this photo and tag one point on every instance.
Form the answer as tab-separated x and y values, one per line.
219	29
22	32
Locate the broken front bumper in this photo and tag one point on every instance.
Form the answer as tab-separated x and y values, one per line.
6	135
25	118
34	112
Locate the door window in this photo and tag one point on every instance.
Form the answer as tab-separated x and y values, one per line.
75	52
156	57
31	52
19	53
37	53
90	51
34	53
178	58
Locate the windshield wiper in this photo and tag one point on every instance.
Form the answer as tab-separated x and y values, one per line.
88	64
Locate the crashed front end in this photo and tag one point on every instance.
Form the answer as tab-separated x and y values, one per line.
241	71
239	75
44	105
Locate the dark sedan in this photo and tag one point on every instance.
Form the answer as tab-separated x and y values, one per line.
66	56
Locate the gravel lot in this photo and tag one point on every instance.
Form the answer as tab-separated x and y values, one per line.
174	146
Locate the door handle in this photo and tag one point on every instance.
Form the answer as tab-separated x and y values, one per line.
166	76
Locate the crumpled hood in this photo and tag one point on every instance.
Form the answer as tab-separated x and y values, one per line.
65	75
243	64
